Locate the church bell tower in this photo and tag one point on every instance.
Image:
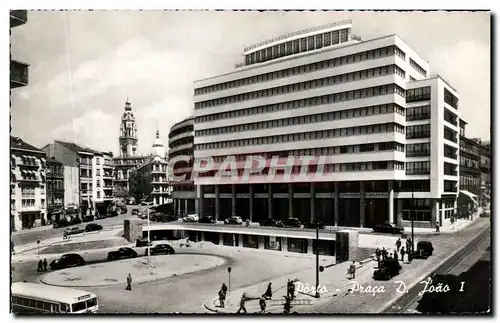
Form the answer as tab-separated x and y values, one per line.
128	132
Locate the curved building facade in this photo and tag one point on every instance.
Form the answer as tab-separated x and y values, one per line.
181	143
386	128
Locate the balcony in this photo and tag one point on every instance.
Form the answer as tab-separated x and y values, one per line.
29	179
159	171
18	18
418	171
107	175
18	74
30	209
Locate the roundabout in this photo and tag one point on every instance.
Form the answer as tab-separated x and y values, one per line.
115	273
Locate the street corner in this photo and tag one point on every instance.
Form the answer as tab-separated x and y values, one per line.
141	270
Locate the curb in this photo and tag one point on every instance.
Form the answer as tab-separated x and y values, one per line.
433	270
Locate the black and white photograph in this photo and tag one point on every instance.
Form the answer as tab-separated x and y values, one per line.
250	162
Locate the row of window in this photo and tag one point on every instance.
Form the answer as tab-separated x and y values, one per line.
298	46
314	135
450	99
28	191
304	86
418	94
302	69
324	151
469	181
470	149
418	168
467	162
418	150
418	68
321	117
41	305
423	216
27	202
308	102
328	168
56	185
418	113
418	131
55	170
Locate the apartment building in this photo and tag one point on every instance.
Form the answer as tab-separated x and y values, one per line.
180	143
149	181
55	189
102	182
388	127
28	199
18	70
82	166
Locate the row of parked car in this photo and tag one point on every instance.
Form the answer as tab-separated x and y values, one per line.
74	259
91	227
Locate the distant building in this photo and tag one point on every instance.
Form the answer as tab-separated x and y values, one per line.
485	169
180	142
27	185
127	159
88	180
149	181
55	189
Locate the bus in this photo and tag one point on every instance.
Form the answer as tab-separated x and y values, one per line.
31	298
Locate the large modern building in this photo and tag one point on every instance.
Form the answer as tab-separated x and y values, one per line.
127	159
18	70
388	127
86	173
28	207
181	143
55	190
149	181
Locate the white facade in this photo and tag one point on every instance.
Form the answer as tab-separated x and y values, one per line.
71	186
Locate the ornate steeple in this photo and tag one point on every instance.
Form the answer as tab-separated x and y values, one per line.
128	132
158	148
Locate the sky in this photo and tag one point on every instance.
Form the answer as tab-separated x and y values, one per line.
84	64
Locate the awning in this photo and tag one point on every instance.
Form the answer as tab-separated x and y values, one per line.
469	194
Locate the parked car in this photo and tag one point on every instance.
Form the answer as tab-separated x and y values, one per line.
191	218
73	230
143	242
233	220
135	211
93	227
388	227
314	224
88	218
207	219
61	224
164	249
387	269
75	220
67	260
122	253
423	250
292	223
270	223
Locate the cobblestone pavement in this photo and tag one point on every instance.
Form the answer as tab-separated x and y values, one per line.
358	302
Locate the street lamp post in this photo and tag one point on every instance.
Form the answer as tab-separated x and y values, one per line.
317	259
412	217
229	280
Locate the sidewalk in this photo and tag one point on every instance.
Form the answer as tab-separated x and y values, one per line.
334	282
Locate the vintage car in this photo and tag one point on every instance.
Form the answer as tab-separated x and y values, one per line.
387	269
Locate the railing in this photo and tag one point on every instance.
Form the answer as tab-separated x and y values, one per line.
19	73
300	32
422	153
418	171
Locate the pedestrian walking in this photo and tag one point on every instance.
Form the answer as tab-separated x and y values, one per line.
222	298
396	256
224	288
44	264
352	270
262	303
402	254
269	292
384	253
292	290
242	304
129	282
437	227
377	256
398	244
288	287
40	266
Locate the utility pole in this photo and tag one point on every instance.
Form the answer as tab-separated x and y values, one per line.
317	259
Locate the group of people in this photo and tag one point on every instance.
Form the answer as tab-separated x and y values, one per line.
382	254
42	265
268	294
